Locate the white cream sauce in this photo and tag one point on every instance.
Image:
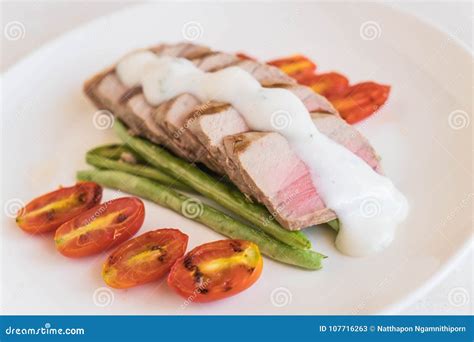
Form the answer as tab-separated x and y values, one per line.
368	205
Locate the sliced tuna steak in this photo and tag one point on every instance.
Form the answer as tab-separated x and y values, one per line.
266	74
128	104
340	131
278	178
184	50
217	135
210	123
171	116
312	101
215	61
135	112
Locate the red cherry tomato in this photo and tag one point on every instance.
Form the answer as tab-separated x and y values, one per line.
327	84
216	270
143	259
100	228
354	102
47	212
294	65
360	100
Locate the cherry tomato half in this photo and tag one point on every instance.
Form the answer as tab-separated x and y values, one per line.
294	65
47	212
216	270
327	84
100	228
143	259
360	100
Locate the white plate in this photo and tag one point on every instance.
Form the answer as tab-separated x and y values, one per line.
423	135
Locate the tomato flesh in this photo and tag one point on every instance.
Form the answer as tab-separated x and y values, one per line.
353	102
143	259
294	65
47	212
216	270
360	100
100	228
327	84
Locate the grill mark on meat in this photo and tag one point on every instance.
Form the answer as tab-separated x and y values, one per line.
215	61
198	59
170	117
264	73
210	135
173	118
312	101
239	144
215	109
195	51
129	94
247	65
